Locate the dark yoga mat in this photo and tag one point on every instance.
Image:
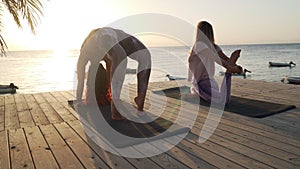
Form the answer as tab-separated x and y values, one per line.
239	105
160	127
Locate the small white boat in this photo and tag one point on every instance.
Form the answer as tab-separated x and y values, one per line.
8	89
174	78
277	64
293	79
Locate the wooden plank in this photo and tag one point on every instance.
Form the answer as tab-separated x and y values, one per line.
50	113
143	163
275	99
49	98
64	102
2	100
58	96
29	98
20	102
61	151
186	157
25	119
40	151
247	151
261	139
258	146
68	94
11	116
39	98
65	114
2	118
19	152
24	114
261	129
9	99
37	114
163	159
4	151
112	160
229	154
292	115
86	155
289	127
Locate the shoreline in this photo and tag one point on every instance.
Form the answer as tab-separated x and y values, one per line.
218	78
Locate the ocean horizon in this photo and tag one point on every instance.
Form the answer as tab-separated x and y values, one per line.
36	71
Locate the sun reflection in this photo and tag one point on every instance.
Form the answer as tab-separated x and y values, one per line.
60	70
61	52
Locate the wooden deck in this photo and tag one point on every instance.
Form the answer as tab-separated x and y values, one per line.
42	131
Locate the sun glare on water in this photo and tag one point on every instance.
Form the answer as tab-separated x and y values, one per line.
60	69
59	53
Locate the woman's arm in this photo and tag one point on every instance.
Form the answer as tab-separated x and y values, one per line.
223	56
222	60
81	64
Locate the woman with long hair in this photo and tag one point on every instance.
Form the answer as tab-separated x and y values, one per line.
204	54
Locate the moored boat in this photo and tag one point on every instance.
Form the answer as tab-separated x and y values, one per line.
8	89
293	79
278	64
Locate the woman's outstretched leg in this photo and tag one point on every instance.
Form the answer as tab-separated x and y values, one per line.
226	88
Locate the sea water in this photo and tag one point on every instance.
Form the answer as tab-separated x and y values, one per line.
44	71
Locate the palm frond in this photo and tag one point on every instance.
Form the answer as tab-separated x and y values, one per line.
1	11
3	46
11	6
29	10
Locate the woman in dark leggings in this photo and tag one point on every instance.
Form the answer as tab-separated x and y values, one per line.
113	46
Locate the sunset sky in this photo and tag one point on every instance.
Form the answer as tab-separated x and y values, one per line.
66	22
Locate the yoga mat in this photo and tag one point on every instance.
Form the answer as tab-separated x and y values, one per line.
160	128
238	105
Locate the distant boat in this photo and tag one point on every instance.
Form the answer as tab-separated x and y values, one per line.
236	74
8	89
277	64
293	79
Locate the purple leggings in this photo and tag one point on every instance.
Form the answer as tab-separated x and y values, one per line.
209	90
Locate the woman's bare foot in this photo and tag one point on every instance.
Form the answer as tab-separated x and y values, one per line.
234	56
